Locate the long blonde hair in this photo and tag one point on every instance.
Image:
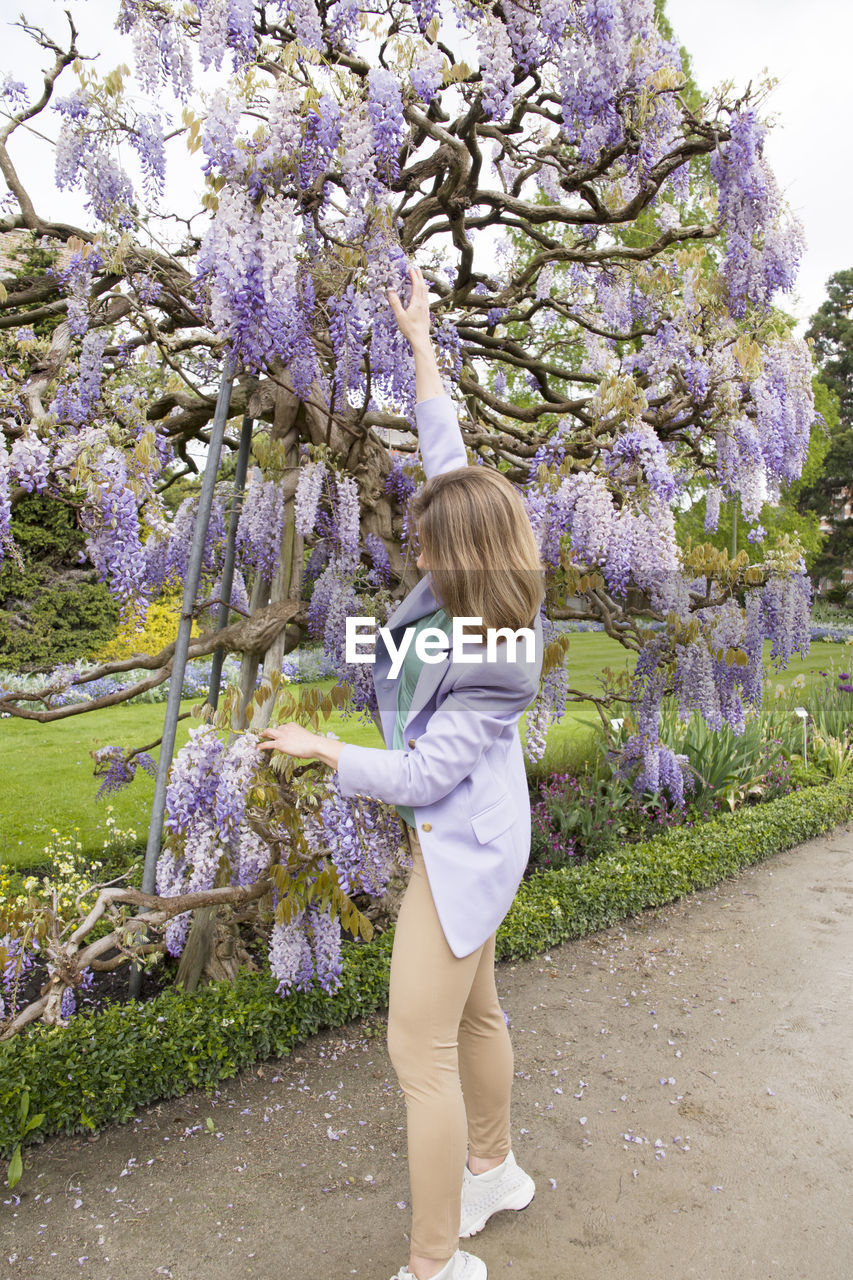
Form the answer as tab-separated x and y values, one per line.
481	550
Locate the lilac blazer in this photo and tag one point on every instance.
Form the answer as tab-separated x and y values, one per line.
463	772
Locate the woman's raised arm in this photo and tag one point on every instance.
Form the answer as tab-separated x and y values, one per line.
439	437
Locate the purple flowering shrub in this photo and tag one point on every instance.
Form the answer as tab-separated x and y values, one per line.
576	818
237	816
573	820
776	780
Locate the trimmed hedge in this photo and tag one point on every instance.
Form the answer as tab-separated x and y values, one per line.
103	1066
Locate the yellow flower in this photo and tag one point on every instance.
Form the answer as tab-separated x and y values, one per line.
798	682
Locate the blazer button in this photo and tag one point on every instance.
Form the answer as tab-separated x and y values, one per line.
411	742
426	826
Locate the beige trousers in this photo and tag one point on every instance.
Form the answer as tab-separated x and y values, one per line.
447	1037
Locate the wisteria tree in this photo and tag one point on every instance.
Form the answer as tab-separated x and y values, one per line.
603	249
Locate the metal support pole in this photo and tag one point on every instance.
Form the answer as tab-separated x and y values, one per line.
182	644
230	555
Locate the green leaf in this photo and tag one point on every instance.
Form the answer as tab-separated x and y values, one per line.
16	1168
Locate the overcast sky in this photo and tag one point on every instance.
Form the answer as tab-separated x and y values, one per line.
806	45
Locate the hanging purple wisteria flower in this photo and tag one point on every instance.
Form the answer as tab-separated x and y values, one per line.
118	767
326	945
763	245
261	525
385	104
290	956
29	463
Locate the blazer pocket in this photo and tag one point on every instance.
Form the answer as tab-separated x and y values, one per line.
490	822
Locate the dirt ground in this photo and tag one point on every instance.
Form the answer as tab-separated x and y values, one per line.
683	1100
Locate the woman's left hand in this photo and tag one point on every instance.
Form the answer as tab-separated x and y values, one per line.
294	739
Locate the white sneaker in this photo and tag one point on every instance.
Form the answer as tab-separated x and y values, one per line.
462	1266
506	1186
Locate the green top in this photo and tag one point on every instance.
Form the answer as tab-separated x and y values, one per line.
406	682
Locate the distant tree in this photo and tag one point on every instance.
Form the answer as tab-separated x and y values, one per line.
831	329
830	492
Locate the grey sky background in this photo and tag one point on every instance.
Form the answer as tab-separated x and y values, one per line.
806	45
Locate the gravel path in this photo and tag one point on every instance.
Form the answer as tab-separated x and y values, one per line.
683	1099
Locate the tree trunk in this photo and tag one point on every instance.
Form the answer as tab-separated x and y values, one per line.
288	422
197	948
214	951
249	666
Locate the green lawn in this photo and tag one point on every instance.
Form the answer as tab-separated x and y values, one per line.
47	779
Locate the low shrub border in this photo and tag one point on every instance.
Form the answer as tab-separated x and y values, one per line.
103	1066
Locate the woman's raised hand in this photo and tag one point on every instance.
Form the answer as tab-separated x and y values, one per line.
413	320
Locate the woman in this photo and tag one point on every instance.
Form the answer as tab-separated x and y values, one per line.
456	773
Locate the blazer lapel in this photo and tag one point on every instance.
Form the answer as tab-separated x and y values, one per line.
429	678
419	602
